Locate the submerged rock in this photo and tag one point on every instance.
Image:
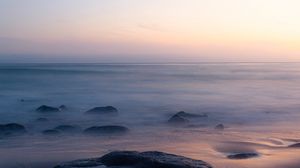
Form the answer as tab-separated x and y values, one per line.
51	132
220	127
296	145
242	156
133	159
42	119
63	108
102	110
107	129
183	117
45	109
67	128
190	115
12	129
177	119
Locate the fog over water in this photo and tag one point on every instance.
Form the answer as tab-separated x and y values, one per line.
258	103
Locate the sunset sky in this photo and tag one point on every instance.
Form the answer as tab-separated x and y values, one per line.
149	31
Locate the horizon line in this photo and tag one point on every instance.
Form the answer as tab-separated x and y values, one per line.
205	62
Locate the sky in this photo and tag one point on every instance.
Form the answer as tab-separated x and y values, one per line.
149	31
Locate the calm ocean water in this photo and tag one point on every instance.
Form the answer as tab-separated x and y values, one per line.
257	102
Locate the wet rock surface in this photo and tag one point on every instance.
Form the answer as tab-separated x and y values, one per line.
133	159
102	110
107	129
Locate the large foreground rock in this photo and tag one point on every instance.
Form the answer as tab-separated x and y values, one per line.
12	129
133	159
103	110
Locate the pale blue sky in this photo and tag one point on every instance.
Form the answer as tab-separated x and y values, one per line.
149	31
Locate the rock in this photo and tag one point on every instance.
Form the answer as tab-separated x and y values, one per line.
102	110
190	115
296	145
67	128
45	109
182	117
63	108
242	156
176	119
41	119
133	159
82	163
108	129
12	129
51	132
219	127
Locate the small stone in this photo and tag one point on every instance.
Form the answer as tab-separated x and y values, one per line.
219	127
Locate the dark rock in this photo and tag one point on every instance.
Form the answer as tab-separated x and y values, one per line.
82	163
12	129
176	119
51	132
219	127
190	115
132	159
242	156
63	108
67	128
296	145
42	119
45	109
103	110
108	129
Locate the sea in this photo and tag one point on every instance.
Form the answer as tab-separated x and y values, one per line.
258	104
